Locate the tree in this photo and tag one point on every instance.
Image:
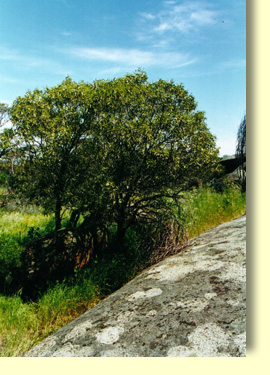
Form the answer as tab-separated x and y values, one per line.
116	151
52	129
7	157
154	142
241	152
4	136
3	114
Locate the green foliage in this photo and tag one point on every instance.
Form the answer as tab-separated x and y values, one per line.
3	114
10	258
15	231
112	150
154	142
3	178
51	128
116	153
6	136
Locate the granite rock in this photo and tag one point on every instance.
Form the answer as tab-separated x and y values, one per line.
192	304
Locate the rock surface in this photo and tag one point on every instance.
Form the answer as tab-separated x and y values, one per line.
190	305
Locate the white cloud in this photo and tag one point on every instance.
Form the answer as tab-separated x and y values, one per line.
185	18
148	16
132	57
163	27
203	17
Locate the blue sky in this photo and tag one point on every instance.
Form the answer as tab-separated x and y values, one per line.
198	43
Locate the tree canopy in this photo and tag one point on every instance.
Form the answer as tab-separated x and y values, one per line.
3	114
5	133
51	127
114	150
155	142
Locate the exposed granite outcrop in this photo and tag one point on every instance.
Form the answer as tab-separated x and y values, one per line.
190	304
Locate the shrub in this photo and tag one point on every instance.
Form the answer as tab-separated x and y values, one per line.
10	260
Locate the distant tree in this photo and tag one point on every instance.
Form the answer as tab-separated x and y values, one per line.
7	157
5	133
3	114
241	152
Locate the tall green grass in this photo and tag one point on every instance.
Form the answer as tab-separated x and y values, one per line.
14	229
205	208
23	324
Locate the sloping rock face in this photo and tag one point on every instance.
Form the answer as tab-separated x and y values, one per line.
189	305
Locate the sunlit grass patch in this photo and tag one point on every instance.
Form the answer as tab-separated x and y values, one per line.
22	325
19	223
206	208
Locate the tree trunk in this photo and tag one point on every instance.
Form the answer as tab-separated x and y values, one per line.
120	235
57	214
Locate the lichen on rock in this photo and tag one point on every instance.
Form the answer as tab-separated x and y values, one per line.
190	304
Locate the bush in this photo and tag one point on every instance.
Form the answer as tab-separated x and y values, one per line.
11	250
3	178
16	230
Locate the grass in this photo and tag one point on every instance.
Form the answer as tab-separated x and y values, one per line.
205	208
24	324
18	223
14	229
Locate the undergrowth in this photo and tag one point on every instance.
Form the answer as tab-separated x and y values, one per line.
23	324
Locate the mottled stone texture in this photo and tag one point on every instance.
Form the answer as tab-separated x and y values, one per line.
192	304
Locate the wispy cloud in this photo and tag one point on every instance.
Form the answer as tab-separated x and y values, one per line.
25	62
189	16
8	54
148	16
13	55
131	57
170	2
235	63
110	71
175	17
66	33
7	79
